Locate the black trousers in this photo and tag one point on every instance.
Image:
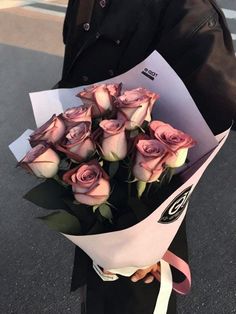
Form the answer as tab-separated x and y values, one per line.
122	296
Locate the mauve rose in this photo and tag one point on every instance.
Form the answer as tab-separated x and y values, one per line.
100	97
74	115
42	161
90	183
51	131
113	143
150	159
114	89
135	106
77	144
177	141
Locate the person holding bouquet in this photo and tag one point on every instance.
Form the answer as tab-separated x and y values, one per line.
104	38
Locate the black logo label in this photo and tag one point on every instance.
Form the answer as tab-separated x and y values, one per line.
149	73
176	207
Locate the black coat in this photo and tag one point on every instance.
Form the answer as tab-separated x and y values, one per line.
106	38
191	35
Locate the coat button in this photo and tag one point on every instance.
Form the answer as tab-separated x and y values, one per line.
86	26
212	22
85	78
102	3
97	35
111	72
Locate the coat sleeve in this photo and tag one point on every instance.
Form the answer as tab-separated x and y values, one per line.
207	64
69	19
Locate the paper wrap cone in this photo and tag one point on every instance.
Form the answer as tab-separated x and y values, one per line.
146	242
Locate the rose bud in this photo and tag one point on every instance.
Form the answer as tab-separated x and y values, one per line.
77	144
114	89
74	115
150	159
177	141
135	106
51	131
113	144
90	183
41	161
100	97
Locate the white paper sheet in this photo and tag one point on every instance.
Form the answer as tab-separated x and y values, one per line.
146	242
21	146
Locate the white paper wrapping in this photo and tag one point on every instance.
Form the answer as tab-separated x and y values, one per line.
146	242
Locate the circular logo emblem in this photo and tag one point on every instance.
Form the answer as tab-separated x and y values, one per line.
176	207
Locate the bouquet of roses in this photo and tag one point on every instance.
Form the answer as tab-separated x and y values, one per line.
108	158
107	166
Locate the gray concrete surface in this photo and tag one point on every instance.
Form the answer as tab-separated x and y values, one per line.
227	4
35	263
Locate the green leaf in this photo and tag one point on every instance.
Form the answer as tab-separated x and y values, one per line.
62	222
106	212
113	167
141	129
95	208
49	195
115	156
61	182
84	213
134	133
111	205
145	125
132	181
141	186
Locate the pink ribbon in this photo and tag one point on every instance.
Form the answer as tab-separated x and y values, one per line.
178	263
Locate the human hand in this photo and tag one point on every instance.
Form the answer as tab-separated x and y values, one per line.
146	274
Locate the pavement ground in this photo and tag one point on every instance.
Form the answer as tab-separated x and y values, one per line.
36	263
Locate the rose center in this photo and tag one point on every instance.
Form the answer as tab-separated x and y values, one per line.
74	112
76	133
150	149
171	138
112	126
88	175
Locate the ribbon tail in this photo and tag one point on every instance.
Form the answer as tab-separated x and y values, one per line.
175	261
166	285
